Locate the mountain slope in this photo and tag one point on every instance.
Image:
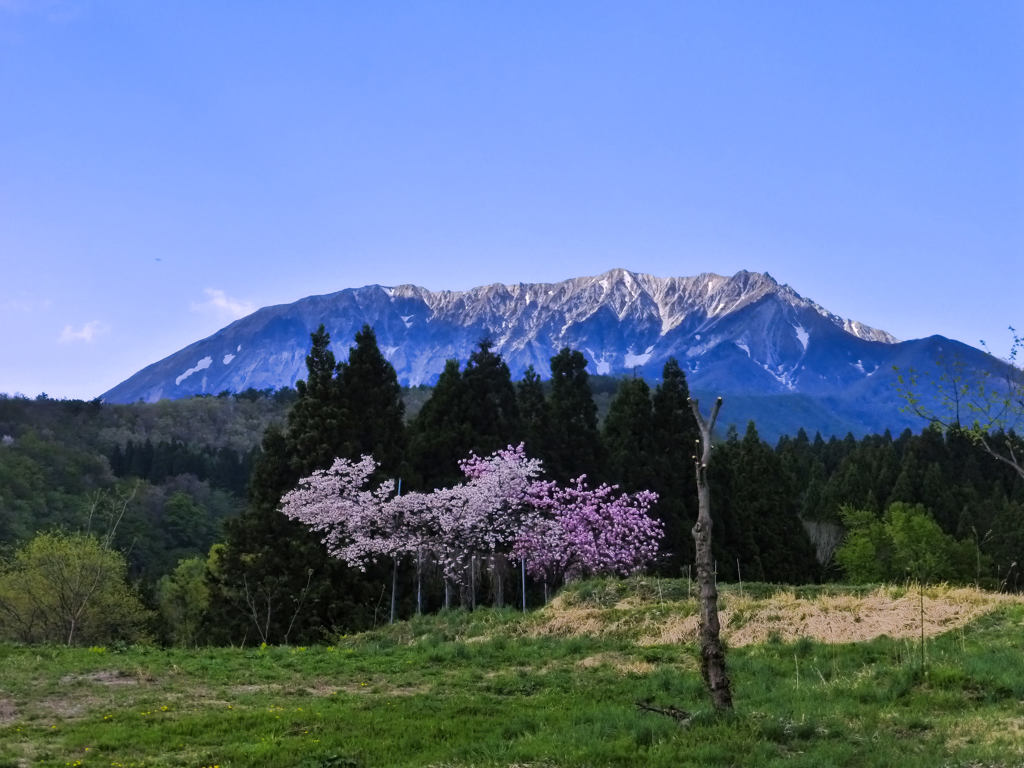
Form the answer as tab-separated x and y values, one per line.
743	335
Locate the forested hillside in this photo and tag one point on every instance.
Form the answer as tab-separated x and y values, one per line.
189	491
176	469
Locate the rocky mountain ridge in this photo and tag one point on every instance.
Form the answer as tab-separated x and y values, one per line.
744	335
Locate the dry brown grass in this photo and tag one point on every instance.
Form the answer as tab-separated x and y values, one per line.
621	664
827	618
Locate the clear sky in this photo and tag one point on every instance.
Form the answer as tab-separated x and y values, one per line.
166	167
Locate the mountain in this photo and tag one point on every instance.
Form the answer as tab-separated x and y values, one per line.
747	336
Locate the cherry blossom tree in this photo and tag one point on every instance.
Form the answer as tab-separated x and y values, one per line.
503	509
585	531
357	523
483	516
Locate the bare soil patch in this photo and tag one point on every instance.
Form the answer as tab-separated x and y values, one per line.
8	711
826	618
103	677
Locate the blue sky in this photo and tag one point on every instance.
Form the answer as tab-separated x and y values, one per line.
167	167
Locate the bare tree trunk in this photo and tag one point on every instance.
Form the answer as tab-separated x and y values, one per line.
394	588
522	571
497	567
712	654
419	583
472	582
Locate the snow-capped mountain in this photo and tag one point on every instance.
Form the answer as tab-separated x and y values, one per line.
743	335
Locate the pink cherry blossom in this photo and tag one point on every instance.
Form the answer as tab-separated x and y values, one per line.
503	507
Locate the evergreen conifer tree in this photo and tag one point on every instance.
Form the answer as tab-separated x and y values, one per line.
274	580
439	436
533	411
574	447
372	399
675	436
489	401
316	423
629	437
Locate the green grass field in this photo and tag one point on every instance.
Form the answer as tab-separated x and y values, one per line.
557	687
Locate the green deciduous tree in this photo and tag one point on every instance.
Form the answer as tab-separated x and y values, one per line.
905	542
183	598
68	588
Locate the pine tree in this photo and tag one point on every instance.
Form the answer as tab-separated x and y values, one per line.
274	580
261	583
316	423
629	437
905	488
675	436
533	411
575	445
372	398
440	436
768	509
489	401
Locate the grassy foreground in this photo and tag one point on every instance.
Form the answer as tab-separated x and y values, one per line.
557	687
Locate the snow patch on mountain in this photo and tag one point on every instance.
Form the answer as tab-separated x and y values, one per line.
785	378
202	365
633	361
227	358
859	365
602	362
802	336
